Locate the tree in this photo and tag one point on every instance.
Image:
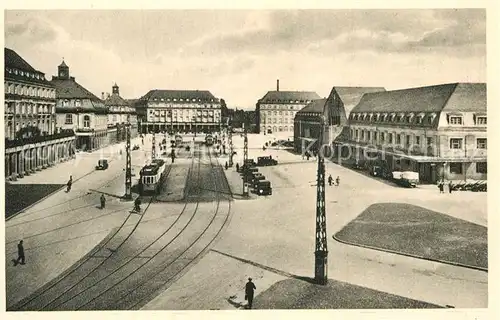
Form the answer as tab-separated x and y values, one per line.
28	132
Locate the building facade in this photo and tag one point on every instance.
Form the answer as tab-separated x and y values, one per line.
32	142
178	111
438	131
276	110
335	109
80	110
120	112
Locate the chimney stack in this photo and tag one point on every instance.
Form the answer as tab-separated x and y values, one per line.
278	85
102	95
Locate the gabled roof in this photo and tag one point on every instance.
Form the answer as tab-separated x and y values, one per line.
351	96
115	100
289	97
70	89
422	99
186	95
468	97
317	106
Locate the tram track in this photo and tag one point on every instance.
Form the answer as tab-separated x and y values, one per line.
25	303
67	300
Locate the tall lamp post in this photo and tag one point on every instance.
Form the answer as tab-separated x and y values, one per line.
321	252
230	141
128	164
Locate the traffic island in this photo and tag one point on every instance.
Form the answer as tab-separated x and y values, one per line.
418	232
300	294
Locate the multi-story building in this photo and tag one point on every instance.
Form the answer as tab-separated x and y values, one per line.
438	131
335	109
80	110
178	111
31	140
276	110
119	113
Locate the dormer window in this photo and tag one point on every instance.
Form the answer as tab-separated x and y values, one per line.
78	103
409	117
431	118
65	103
175	99
181	99
480	120
455	119
162	99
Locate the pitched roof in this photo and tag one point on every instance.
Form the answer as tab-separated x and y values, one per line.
199	95
351	96
316	106
15	65
115	100
13	60
70	89
289	97
468	97
422	99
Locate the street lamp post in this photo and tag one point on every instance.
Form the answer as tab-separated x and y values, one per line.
128	165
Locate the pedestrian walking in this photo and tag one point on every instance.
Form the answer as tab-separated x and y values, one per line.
249	291
441	187
225	165
330	180
237	167
450	186
137	204
68	185
337	181
103	201
20	253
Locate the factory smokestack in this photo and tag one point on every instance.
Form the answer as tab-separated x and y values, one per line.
278	85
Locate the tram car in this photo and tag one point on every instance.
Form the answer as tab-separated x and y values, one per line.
209	140
151	177
178	140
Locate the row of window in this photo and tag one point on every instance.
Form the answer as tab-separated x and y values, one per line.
28	108
458	167
280	107
27	74
182	111
32	91
86	120
184	119
288	101
458	143
278	128
411	118
393	117
184	105
275	113
278	120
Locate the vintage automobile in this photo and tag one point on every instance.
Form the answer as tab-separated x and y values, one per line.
266	161
256	179
263	188
102	164
135	147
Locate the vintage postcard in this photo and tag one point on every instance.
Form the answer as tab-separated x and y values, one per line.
276	159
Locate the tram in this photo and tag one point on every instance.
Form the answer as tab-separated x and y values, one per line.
151	177
209	140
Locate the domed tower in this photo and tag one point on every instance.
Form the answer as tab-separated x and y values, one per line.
116	90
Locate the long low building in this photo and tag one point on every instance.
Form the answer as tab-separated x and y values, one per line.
32	141
438	131
178	111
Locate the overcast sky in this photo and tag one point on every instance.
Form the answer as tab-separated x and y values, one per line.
238	55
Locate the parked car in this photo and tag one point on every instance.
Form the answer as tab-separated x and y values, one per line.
266	161
102	164
263	188
407	179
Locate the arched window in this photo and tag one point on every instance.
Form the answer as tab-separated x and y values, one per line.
86	121
65	103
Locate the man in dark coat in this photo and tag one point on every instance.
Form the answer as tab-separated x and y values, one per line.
20	253
450	186
70	182
103	201
249	289
330	180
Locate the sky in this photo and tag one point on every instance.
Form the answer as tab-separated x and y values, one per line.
238	54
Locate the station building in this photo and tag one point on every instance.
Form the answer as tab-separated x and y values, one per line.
438	131
335	109
32	141
80	110
120	111
178	111
276	110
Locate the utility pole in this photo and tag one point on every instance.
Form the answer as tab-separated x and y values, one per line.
153	148
128	164
321	252
230	141
245	158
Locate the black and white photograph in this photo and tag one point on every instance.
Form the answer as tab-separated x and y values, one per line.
197	159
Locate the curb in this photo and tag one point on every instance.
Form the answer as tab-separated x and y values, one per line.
455	264
50	194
